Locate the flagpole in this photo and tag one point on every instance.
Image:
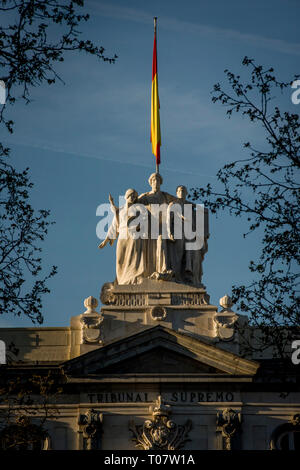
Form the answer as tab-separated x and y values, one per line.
155	119
155	23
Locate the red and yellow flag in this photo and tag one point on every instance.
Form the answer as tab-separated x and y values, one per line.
155	120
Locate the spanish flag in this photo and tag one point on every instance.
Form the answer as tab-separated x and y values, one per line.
155	121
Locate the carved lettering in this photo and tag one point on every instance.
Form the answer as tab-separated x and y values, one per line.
91	395
229	396
183	396
175	397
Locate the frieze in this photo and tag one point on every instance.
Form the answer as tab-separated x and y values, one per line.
200	397
175	397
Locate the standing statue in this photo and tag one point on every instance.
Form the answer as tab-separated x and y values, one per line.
131	253
176	218
149	245
194	257
158	245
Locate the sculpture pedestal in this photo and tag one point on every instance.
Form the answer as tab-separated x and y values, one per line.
131	308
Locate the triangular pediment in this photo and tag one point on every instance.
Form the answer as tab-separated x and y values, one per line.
159	350
160	360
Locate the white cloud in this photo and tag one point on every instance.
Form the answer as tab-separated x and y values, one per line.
173	24
49	146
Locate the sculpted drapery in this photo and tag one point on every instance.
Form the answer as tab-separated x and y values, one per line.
131	253
158	254
139	254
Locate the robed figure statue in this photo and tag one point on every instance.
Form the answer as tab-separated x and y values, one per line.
147	246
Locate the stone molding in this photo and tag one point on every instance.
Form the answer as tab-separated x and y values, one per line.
159	336
153	293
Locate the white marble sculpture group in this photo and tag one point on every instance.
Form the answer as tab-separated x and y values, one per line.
143	253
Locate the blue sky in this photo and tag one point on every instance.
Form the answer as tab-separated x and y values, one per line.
90	137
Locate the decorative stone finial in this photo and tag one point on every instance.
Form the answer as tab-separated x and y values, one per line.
225	320
90	321
91	304
226	302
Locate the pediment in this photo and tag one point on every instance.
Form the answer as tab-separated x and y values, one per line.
160	360
159	350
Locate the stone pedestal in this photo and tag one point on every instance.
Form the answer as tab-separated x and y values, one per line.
128	309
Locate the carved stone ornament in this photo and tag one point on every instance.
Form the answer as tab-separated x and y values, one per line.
160	432
229	424
226	303
90	427
90	303
90	321
158	313
107	296
190	299
295	420
225	320
165	276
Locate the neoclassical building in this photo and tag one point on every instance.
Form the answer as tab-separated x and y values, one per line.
156	367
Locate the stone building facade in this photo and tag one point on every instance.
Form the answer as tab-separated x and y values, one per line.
157	367
161	368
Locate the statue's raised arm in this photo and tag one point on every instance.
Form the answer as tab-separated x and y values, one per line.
131	252
113	207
